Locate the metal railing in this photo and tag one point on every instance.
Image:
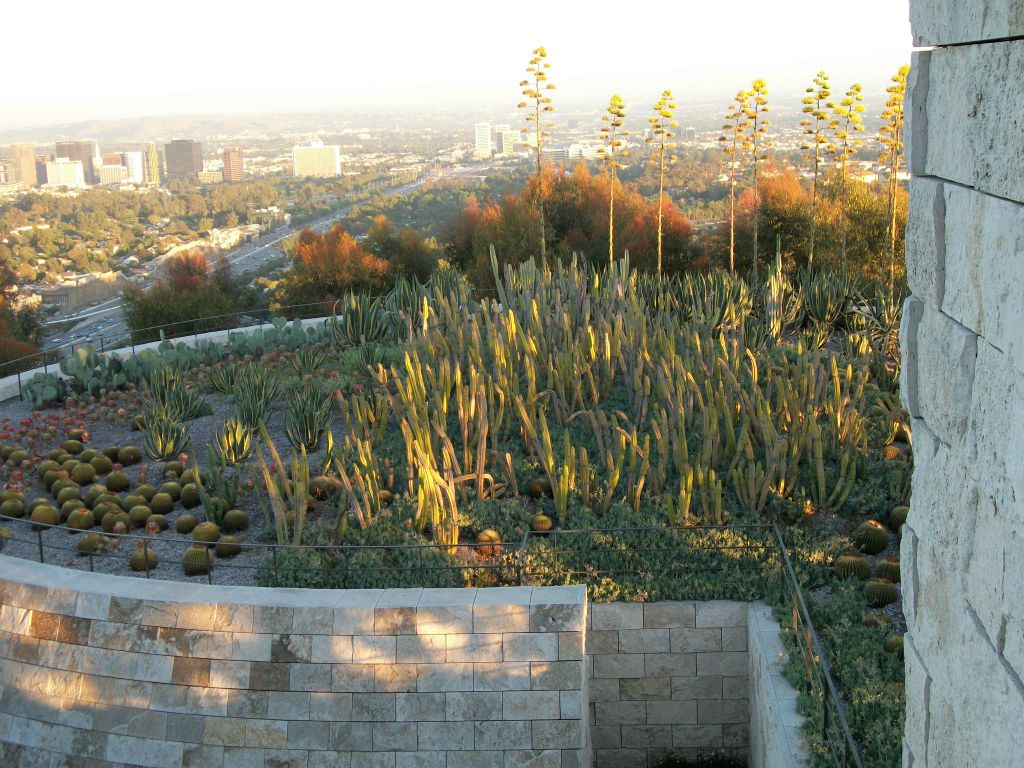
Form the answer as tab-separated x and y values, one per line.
744	562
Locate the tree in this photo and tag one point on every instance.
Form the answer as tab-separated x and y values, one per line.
662	122
537	105
815	126
611	134
734	137
847	121
757	144
891	137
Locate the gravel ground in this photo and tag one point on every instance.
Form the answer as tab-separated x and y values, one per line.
58	544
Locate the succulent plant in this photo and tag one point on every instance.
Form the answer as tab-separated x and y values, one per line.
158	521
70	465
235	520
877	619
234	442
78	434
892	453
117	481
196	561
70	506
90	543
538	487
129	455
871	537
161	503
190	498
488	543
171	489
851	565
46	466
92	494
186	524
206	533
146	491
74	447
888	568
112	452
138	515
541	523
111	500
17	457
44	516
894	644
227	546
111	519
881	592
173	467
143	559
194	477
83	474
87	455
164	438
324	487
68	493
80	519
12	508
52	476
897	517
132	500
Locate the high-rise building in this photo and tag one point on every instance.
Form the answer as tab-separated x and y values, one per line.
84	151
507	141
8	172
233	168
23	157
184	159
112	158
152	165
64	172
133	162
316	160
112	174
483	140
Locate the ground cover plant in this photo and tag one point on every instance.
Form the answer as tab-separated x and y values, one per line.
561	424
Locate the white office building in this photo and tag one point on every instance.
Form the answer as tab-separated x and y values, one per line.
507	141
133	162
316	160
63	172
483	140
111	174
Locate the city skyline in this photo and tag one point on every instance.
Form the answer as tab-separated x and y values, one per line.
445	56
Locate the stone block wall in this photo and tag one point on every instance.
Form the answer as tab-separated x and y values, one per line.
97	670
963	383
667	677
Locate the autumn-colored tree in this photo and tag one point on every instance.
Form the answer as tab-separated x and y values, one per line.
187	270
891	137
326	266
662	122
815	126
757	144
536	106
734	138
406	250
847	122
612	133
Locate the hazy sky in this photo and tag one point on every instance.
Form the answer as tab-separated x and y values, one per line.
67	61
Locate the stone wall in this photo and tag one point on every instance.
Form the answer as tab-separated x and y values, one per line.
667	677
114	671
963	383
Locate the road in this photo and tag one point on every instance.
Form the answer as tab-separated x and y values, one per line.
109	324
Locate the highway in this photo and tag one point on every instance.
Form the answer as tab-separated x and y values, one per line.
109	321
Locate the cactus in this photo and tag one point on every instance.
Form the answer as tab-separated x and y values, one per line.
67	493
164	438
157	521
541	523
118	481
235	520
44	389
111	519
894	644
196	561
12	508
206	533
186	524
877	619
146	491
190	496
90	543
83	474
111	452
851	565
101	464
898	517
44	517
74	447
871	537
138	515
92	495
161	503
132	500
171	489
70	506
143	558
129	455
174	468
227	546
488	543
888	568
80	519
324	487
881	592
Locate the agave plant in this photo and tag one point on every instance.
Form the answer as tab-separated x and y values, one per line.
164	438
234	442
171	398
361	319
256	389
308	360
309	415
223	378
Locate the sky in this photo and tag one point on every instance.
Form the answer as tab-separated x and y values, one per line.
110	59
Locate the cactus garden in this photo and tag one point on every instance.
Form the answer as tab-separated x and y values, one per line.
490	424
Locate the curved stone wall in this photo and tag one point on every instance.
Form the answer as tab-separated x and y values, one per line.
101	670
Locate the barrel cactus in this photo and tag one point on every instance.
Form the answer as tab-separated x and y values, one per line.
190	498
235	520
102	465
159	522
186	524
83	474
196	561
80	519
877	619
138	515
894	644
888	568
227	546
118	481
143	558
43	517
898	516
871	537
489	543
541	523
881	592
206	533
161	503
172	489
129	455
74	447
90	544
12	508
110	520
851	565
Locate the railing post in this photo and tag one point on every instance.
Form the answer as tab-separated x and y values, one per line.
39	539
145	556
21	393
